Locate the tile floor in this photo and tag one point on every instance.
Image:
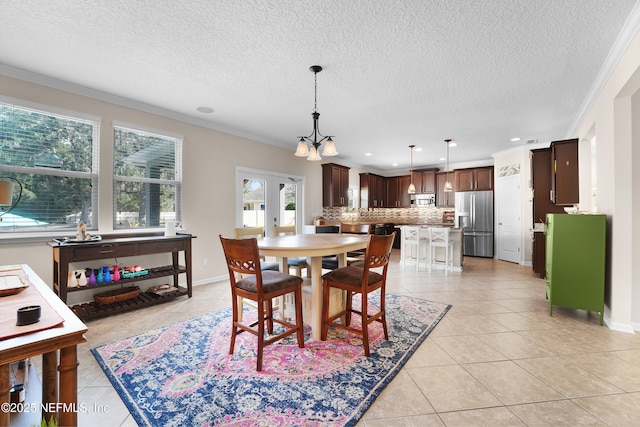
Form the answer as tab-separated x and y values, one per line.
497	358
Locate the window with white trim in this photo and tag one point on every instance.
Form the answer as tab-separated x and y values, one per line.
54	156
147	177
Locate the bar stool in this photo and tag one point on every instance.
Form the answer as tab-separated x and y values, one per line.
439	237
412	239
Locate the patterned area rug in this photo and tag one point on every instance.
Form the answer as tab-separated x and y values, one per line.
182	375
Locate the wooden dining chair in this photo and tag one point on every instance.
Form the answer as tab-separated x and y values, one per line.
261	286
330	262
363	281
296	263
257	233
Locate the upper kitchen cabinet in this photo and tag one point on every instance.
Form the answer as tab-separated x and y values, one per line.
444	199
424	180
474	179
541	171
373	191
335	185
564	174
397	195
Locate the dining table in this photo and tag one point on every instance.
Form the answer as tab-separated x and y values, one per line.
313	246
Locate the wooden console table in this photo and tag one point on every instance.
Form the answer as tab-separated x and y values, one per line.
120	246
59	376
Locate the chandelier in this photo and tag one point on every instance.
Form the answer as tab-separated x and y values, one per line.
316	138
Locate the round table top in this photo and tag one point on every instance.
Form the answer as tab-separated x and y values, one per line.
311	244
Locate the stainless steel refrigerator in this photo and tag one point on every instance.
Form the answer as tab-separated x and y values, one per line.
474	212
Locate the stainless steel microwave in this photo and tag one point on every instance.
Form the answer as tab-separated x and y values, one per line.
423	200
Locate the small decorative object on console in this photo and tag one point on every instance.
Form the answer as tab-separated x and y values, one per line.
161	289
135	271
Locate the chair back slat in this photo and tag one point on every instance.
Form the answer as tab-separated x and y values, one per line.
411	233
346	228
242	255
248	232
378	250
284	230
437	234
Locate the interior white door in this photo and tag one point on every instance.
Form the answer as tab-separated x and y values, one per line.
266	199
509	218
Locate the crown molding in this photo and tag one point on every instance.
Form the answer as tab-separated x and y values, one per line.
625	37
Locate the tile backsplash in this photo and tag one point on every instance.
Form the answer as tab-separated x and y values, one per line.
423	215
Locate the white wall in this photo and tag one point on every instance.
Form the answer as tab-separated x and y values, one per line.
614	120
209	157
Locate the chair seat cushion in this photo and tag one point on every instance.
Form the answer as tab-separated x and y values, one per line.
297	261
351	276
271	281
330	262
273	266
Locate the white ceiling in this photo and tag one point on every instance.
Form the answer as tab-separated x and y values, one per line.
396	72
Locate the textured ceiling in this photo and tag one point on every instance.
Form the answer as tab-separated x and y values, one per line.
395	72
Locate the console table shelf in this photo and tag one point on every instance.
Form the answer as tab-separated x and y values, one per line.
120	246
93	310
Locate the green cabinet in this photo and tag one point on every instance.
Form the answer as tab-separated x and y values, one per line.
575	261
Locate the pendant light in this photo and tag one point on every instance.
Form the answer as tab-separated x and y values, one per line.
448	188
412	188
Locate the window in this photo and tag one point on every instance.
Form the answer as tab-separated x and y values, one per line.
147	178
55	157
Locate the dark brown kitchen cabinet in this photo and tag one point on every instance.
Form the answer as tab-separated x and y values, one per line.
444	199
373	191
541	170
424	180
335	185
564	177
397	195
474	179
538	256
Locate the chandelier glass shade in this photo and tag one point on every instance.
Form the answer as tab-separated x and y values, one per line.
315	139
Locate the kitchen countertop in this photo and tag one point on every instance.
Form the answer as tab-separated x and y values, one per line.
390	221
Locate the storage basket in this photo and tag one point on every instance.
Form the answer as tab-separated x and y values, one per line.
117	295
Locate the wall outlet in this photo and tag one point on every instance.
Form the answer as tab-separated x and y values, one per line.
204	261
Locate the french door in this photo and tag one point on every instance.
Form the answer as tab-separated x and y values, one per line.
266	199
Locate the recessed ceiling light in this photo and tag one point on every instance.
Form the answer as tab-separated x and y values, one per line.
205	110
368	154
442	159
516	139
394	164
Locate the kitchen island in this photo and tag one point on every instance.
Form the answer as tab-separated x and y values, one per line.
387	227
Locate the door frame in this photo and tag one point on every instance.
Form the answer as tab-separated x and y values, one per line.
271	195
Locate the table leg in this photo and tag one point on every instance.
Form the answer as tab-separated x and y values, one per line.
5	397
342	262
50	383
68	386
316	297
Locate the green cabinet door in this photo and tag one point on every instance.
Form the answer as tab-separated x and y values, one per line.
575	261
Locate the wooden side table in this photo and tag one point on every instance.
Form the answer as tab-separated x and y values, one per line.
58	347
